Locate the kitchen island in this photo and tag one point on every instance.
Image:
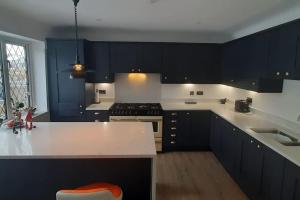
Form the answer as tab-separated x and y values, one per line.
35	164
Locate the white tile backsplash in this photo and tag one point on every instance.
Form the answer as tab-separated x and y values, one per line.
285	105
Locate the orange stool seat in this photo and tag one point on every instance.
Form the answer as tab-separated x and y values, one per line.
96	191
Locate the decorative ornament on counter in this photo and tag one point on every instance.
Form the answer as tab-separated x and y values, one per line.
17	121
28	118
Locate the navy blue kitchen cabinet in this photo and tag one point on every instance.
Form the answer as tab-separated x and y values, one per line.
66	96
283	50
132	57
291	186
191	63
297	65
245	64
170	130
251	166
186	130
97	60
215	135
97	116
272	175
231	148
193	130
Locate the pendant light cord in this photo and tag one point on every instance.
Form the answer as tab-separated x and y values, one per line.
76	34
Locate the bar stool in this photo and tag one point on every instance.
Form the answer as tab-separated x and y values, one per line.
96	191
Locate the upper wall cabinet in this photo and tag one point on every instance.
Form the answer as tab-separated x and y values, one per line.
245	64
129	57
191	63
97	60
283	50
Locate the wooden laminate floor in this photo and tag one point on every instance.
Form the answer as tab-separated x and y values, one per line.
194	175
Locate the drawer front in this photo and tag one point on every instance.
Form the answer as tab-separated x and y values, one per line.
170	130
97	116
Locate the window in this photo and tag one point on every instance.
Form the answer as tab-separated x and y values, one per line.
14	76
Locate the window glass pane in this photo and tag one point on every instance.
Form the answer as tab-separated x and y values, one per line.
17	72
2	95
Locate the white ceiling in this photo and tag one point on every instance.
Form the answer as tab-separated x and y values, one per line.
144	15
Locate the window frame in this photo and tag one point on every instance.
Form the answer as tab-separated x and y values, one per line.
26	44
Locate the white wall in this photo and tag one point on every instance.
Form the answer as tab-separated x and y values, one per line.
14	22
39	82
137	89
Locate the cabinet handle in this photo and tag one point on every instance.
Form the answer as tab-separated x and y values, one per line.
232	81
80	106
287	73
217	117
139	70
173	121
253	83
173	135
172	142
252	141
106	77
185	78
173	114
81	113
96	113
258	146
132	70
234	129
187	113
173	128
166	78
277	73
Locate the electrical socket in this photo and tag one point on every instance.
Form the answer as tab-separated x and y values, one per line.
192	93
102	91
200	93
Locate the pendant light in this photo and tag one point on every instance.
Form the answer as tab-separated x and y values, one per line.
78	68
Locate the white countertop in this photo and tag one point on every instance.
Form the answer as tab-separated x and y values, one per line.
80	140
245	122
105	105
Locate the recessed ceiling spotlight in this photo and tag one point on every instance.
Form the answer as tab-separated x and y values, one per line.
153	1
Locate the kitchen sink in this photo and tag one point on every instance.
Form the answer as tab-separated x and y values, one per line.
265	130
290	143
281	137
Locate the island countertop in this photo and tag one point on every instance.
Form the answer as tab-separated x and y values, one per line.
79	140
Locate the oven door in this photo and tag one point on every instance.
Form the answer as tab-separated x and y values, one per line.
156	124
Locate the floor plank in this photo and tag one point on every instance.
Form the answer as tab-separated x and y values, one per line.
194	176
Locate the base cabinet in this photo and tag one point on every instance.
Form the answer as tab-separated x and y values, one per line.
186	130
291	183
262	173
251	167
272	175
96	116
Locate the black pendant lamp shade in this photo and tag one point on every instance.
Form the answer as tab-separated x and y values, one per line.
78	68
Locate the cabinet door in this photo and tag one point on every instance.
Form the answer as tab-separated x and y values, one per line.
273	170
203	63
123	57
150	57
66	96
231	59
283	49
291	186
97	58
200	130
297	65
251	167
174	64
215	137
231	149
